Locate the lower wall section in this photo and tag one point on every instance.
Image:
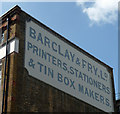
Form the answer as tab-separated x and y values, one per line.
35	96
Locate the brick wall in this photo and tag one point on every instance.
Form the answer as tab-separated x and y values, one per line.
27	94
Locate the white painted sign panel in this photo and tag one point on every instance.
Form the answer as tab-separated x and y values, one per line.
58	64
13	46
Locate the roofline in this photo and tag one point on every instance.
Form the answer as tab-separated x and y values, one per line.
69	42
17	9
12	11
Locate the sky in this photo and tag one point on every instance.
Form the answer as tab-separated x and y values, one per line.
93	26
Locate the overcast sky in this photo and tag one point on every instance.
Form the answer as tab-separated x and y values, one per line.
93	26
